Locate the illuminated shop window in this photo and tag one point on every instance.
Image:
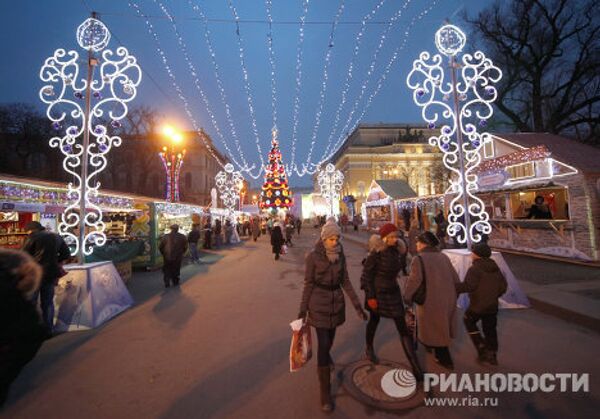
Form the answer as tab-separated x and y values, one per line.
521	171
488	149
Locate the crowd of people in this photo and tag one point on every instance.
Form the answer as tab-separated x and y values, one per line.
426	290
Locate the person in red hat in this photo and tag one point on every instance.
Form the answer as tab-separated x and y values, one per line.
383	296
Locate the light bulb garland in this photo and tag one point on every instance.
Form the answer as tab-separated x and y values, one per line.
322	92
330	183
269	6
172	161
380	82
213	58
350	72
119	77
298	86
175	84
459	140
247	87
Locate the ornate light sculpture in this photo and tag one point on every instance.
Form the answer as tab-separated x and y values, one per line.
172	161
330	183
229	182
103	98
464	104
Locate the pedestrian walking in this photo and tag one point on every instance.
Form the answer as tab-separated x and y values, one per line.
356	221
193	238
228	231
255	227
172	246
326	274
21	330
485	283
277	240
207	235
270	225
298	225
217	233
440	228
289	232
344	222
382	293
50	251
432	285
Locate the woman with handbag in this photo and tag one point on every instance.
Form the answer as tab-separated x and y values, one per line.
432	286
322	298
382	293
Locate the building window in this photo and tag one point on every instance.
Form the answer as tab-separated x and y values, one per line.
488	149
521	171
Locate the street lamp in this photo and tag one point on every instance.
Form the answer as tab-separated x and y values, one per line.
172	161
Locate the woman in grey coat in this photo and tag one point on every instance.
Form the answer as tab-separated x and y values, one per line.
322	298
436	317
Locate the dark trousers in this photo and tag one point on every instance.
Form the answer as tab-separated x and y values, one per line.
374	322
46	296
172	271
488	324
325	339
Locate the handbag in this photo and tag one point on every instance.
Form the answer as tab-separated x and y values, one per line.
421	293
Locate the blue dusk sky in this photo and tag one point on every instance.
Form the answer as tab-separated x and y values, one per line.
32	29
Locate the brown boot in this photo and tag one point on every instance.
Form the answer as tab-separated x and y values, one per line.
325	387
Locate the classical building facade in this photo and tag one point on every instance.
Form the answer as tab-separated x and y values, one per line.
390	151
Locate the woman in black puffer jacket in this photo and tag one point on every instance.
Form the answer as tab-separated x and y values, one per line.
383	296
322	297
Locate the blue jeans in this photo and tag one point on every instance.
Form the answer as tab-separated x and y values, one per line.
194	252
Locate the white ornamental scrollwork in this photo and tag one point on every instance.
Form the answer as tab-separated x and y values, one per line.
64	92
458	107
229	182
330	183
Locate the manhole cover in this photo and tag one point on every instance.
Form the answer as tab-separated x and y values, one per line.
388	385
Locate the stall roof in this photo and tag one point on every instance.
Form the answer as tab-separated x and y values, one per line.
582	156
397	189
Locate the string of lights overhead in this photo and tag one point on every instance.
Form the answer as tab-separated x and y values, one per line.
322	92
247	87
186	105
381	80
350	72
296	110
269	7
222	94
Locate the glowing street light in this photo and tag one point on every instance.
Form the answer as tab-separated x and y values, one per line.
172	161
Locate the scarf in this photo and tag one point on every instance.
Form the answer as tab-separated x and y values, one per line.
333	254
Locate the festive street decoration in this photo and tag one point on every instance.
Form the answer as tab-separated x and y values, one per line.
275	193
330	183
172	161
229	182
105	97
458	107
538	152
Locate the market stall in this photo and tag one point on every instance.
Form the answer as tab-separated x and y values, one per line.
561	175
380	207
421	210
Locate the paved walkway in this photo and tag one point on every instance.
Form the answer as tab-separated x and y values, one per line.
217	347
569	291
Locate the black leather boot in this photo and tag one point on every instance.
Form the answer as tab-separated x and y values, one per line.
325	388
409	350
370	354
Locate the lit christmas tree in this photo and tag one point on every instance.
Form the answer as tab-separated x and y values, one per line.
276	192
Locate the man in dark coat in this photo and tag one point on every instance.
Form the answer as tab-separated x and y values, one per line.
21	330
172	246
298	225
50	251
193	238
217	232
485	283
277	240
207	235
383	296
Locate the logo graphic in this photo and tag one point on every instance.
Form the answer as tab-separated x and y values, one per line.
399	383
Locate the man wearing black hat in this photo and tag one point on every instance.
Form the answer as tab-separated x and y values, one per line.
50	251
172	246
485	284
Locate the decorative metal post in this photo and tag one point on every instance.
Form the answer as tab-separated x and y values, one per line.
472	98
119	77
172	162
330	182
229	182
